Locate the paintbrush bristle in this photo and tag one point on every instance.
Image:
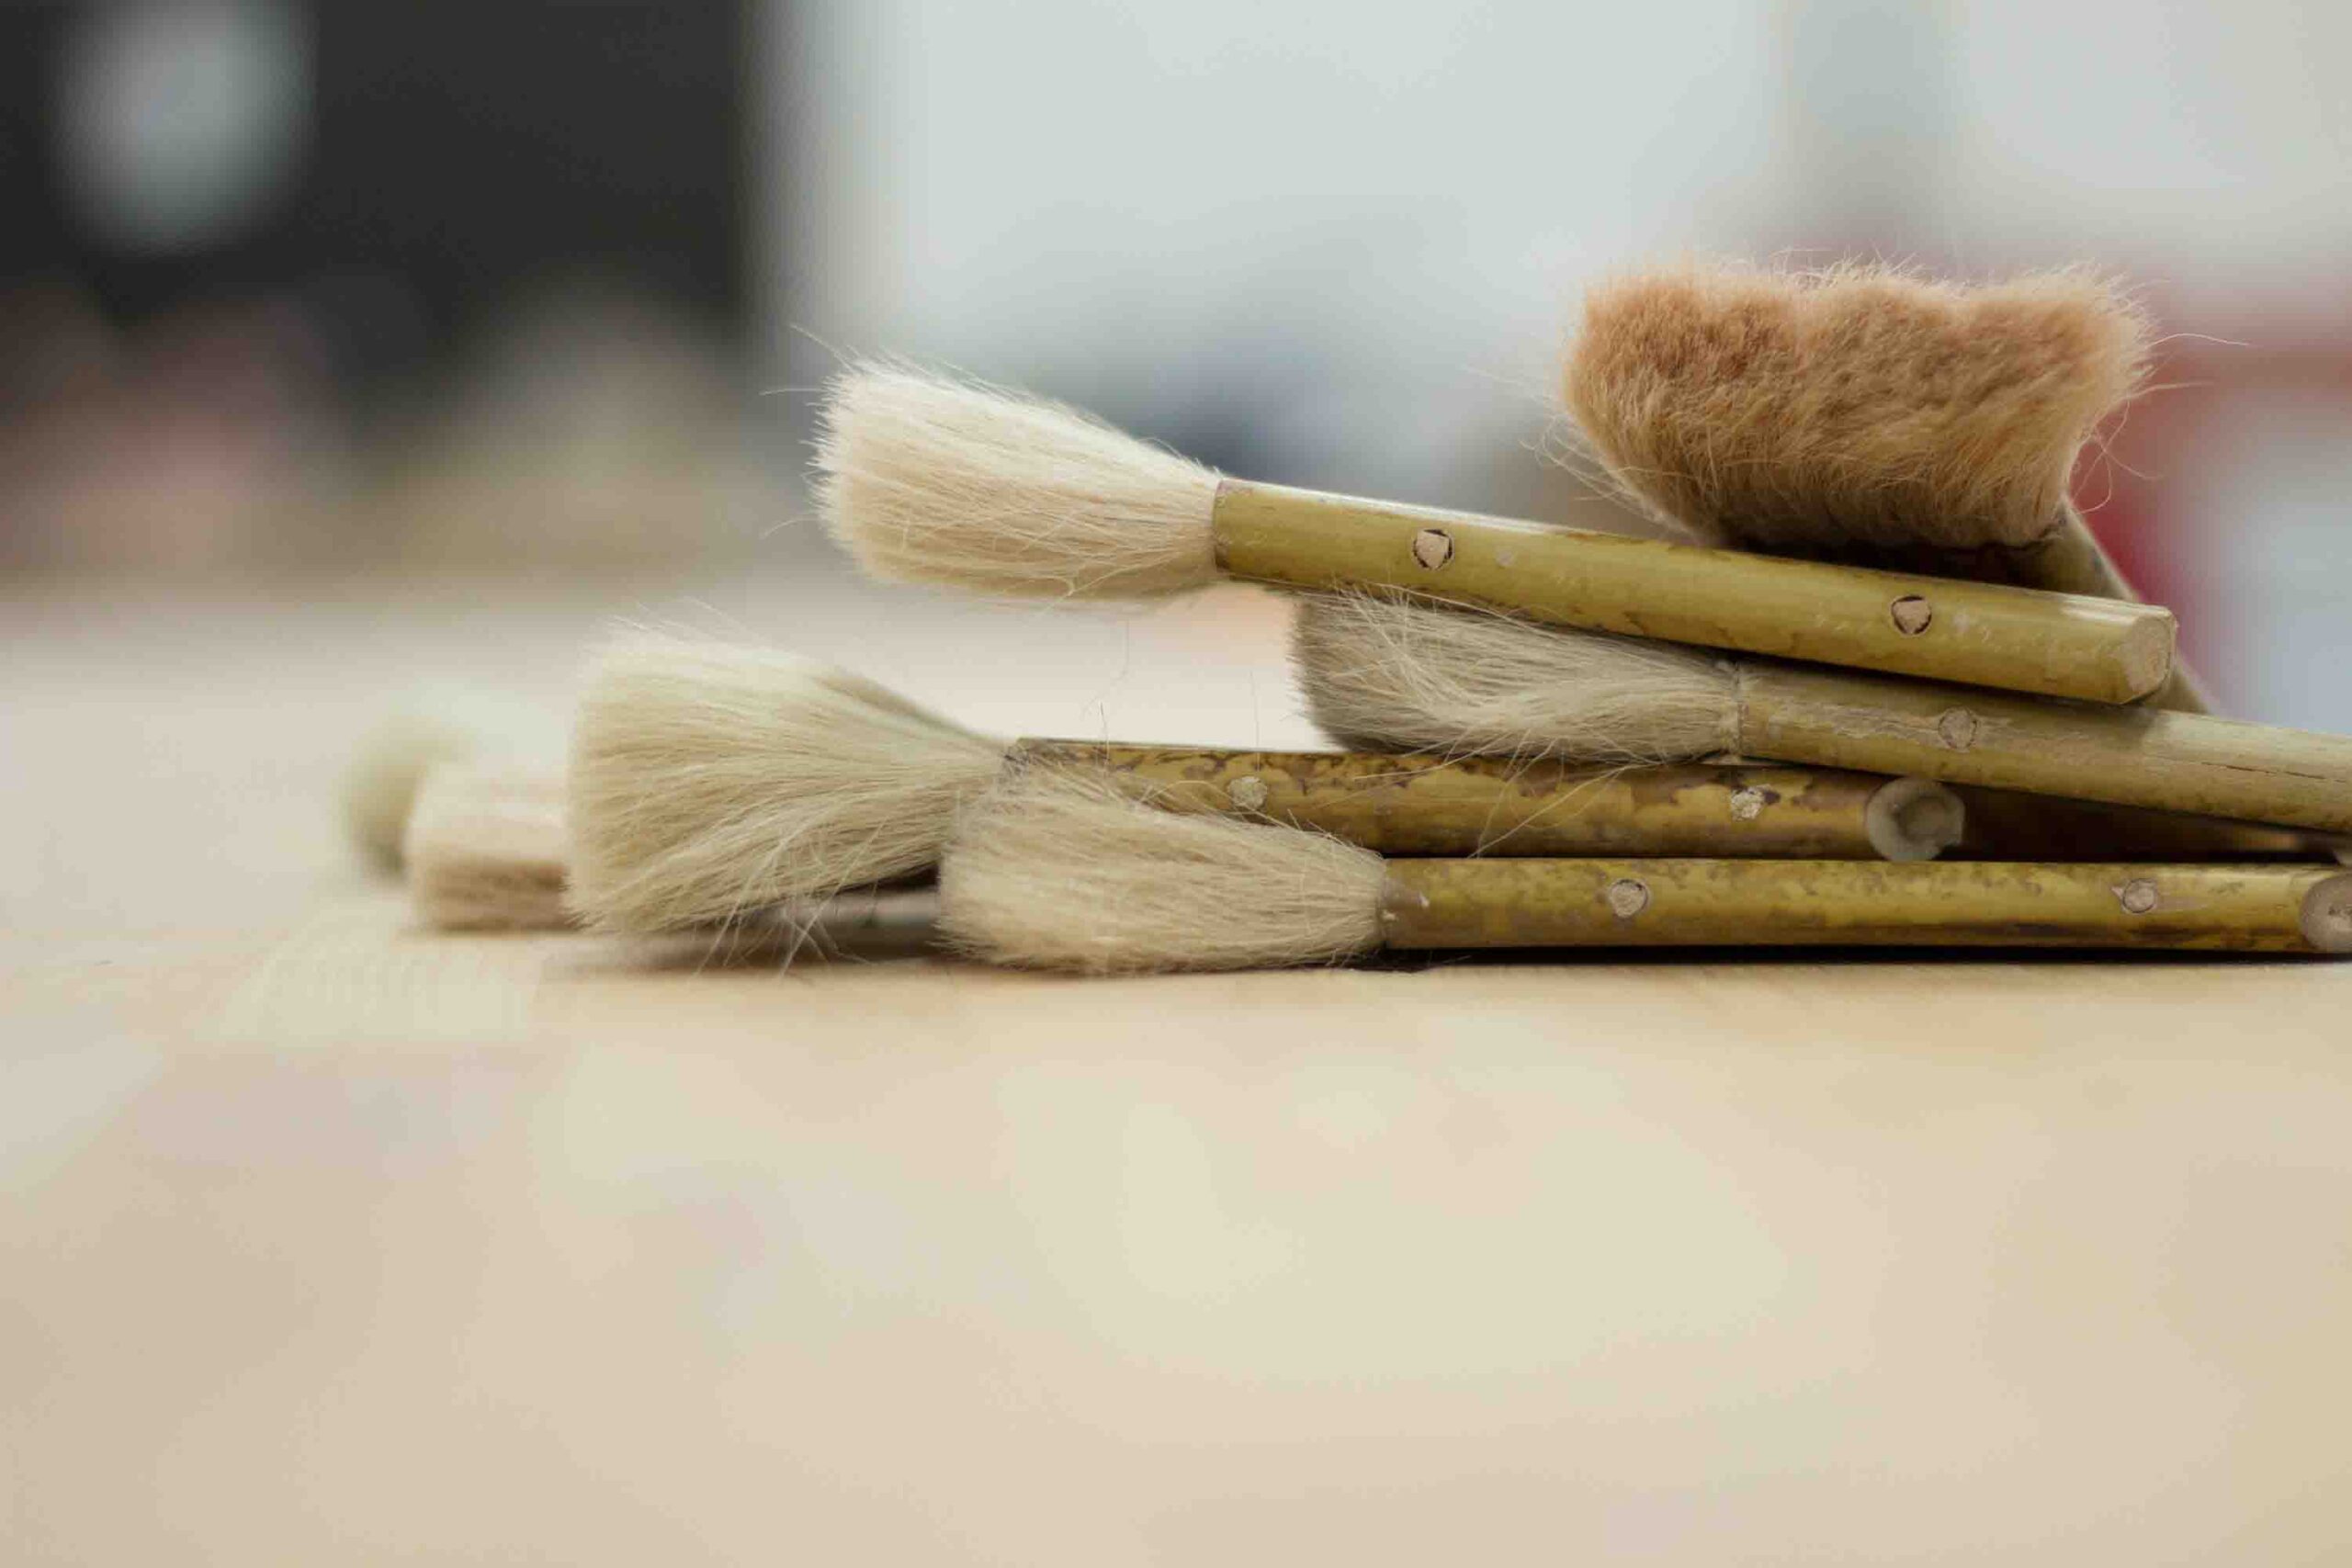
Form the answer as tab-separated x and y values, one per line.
1051	870
1382	672
932	479
486	850
710	778
1858	404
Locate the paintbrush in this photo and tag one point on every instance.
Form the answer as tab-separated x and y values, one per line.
931	479
487	851
1054	873
1384	671
379	784
708	778
1864	412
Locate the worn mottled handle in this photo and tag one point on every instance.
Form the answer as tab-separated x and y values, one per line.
1456	904
2014	639
1437	806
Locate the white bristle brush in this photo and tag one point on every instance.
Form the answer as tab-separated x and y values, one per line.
932	479
486	848
487	851
1863	406
379	784
710	778
1384	671
424	727
1054	873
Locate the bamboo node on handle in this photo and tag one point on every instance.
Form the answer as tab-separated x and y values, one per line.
1627	896
1957	729
1433	547
1911	614
1747	805
2138	897
1248	793
1914	819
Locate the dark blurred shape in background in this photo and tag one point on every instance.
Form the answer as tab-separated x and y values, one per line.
266	264
445	286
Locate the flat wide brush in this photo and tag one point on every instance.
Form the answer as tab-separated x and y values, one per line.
1047	872
1382	671
937	480
1863	410
710	778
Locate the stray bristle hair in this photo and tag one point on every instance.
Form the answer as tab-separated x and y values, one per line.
932	479
1857	404
1382	672
712	778
486	850
1052	870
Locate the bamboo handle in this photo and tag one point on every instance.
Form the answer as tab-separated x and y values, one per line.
1984	635
1461	904
2171	762
1428	804
2070	560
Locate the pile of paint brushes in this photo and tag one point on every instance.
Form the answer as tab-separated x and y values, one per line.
1889	692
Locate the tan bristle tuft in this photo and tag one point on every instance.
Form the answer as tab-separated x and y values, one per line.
710	778
1384	674
1055	870
486	850
928	480
1857	404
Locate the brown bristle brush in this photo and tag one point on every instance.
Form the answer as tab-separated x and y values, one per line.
1862	411
710	778
932	479
1382	671
1050	872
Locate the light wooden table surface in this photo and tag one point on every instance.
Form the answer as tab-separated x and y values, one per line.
327	1240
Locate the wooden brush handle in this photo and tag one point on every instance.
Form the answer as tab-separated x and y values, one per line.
2171	762
2070	560
1458	904
1426	805
2015	638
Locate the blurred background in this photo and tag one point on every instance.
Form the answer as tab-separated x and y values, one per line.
352	349
295	288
